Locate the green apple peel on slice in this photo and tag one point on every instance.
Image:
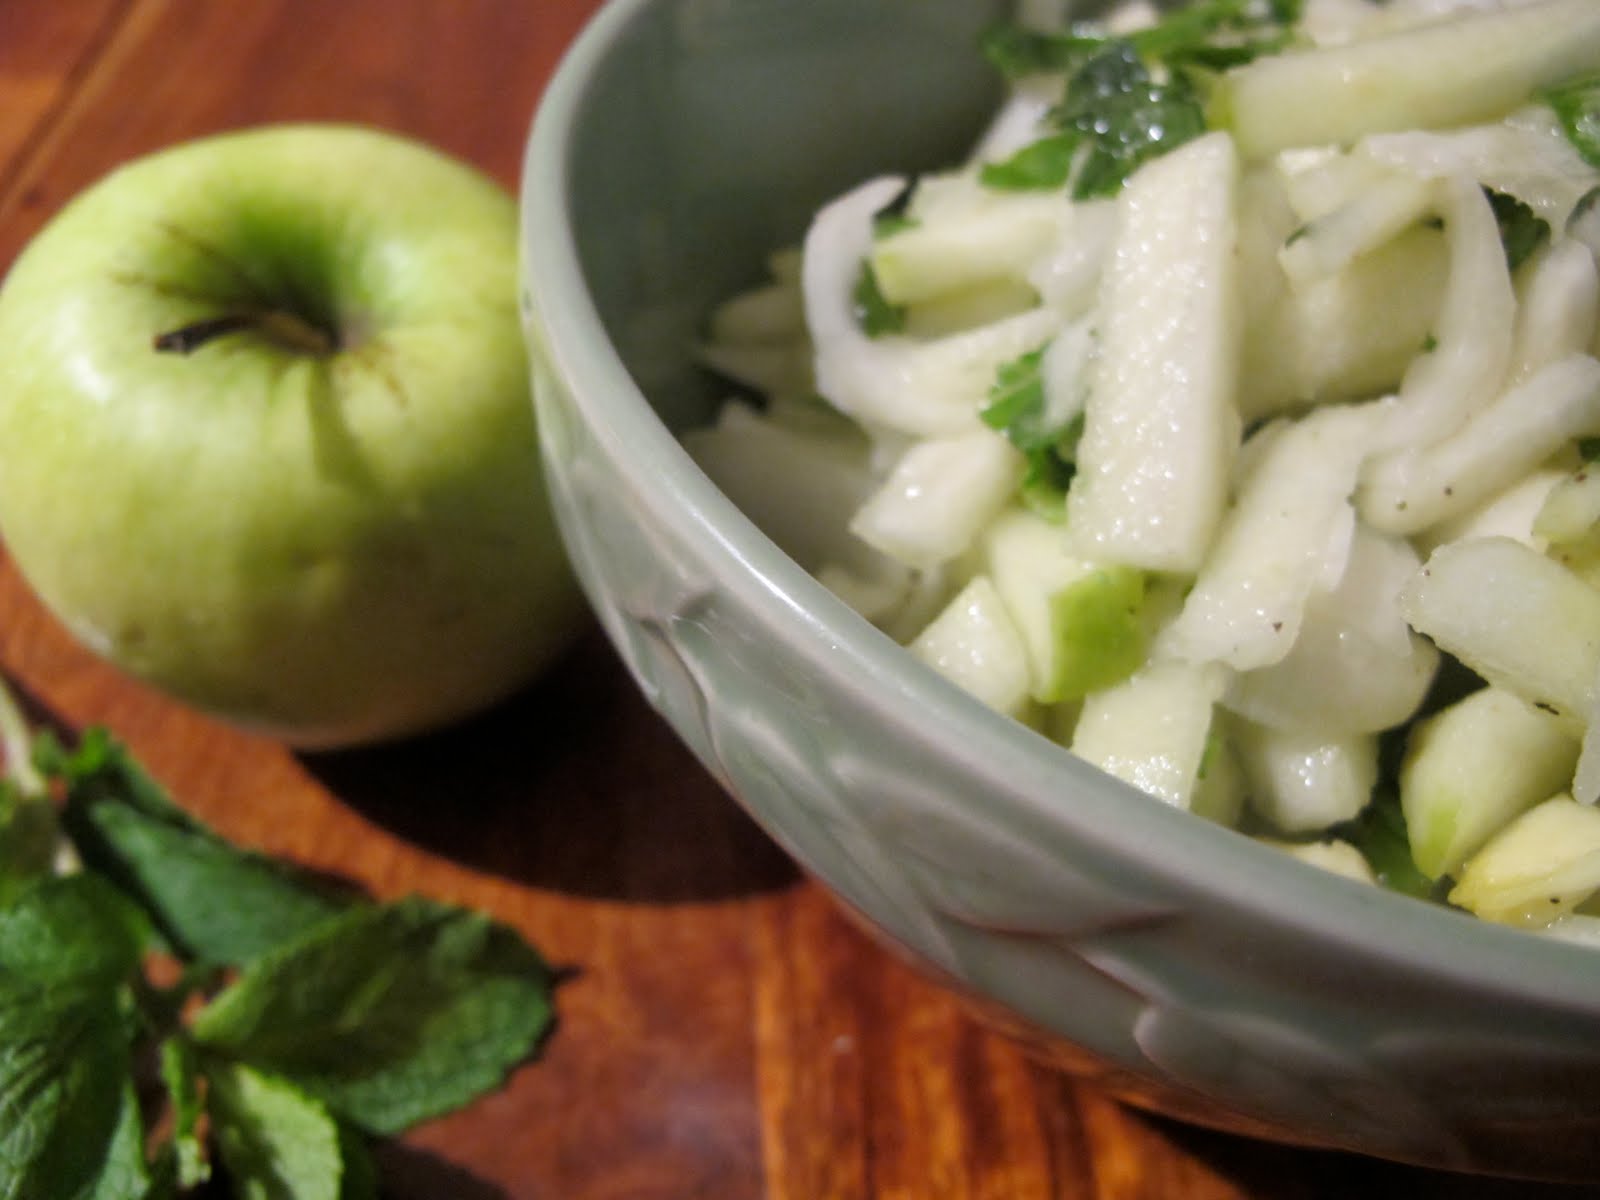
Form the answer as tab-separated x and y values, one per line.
1083	623
267	436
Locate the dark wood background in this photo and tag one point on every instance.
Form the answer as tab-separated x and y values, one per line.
725	1033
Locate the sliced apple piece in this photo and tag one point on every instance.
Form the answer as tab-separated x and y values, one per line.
1290	521
941	493
1537	869
1474	766
975	644
1083	622
1153	729
1160	424
1468	67
1514	616
1301	781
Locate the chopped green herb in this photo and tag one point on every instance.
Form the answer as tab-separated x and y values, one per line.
1016	401
1522	231
1017	52
1379	832
1430	344
1589	449
1039	166
1577	106
894	216
1214	34
1113	117
1045	482
1018	407
1219	34
876	315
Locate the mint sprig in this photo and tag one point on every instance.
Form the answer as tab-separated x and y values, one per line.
280	1025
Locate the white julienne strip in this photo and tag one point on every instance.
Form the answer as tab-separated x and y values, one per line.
1412	490
1355	666
1068	275
1467	366
1390	204
926	389
1558	308
1527	155
1160	425
1291	514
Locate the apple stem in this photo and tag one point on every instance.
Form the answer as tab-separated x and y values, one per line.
287	329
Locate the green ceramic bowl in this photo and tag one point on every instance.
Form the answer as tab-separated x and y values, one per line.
1194	971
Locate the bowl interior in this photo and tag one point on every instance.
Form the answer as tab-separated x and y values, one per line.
711	132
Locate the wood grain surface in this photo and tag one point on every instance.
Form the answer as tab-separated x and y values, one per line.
724	1032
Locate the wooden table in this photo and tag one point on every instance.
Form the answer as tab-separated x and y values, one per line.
726	1033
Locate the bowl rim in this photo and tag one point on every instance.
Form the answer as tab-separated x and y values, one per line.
1174	846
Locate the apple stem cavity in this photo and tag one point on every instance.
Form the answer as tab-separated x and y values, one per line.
289	330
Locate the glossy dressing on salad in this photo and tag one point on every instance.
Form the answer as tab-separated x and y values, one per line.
1228	416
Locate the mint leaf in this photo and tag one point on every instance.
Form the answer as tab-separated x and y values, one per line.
1017	52
276	1142
390	1014
66	1124
1218	34
895	216
1577	107
70	930
1016	403
1125	117
1017	406
1041	165
211	900
27	839
1379	832
123	1174
1113	118
1212	33
1128	99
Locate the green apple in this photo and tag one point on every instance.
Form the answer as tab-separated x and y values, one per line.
266	439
